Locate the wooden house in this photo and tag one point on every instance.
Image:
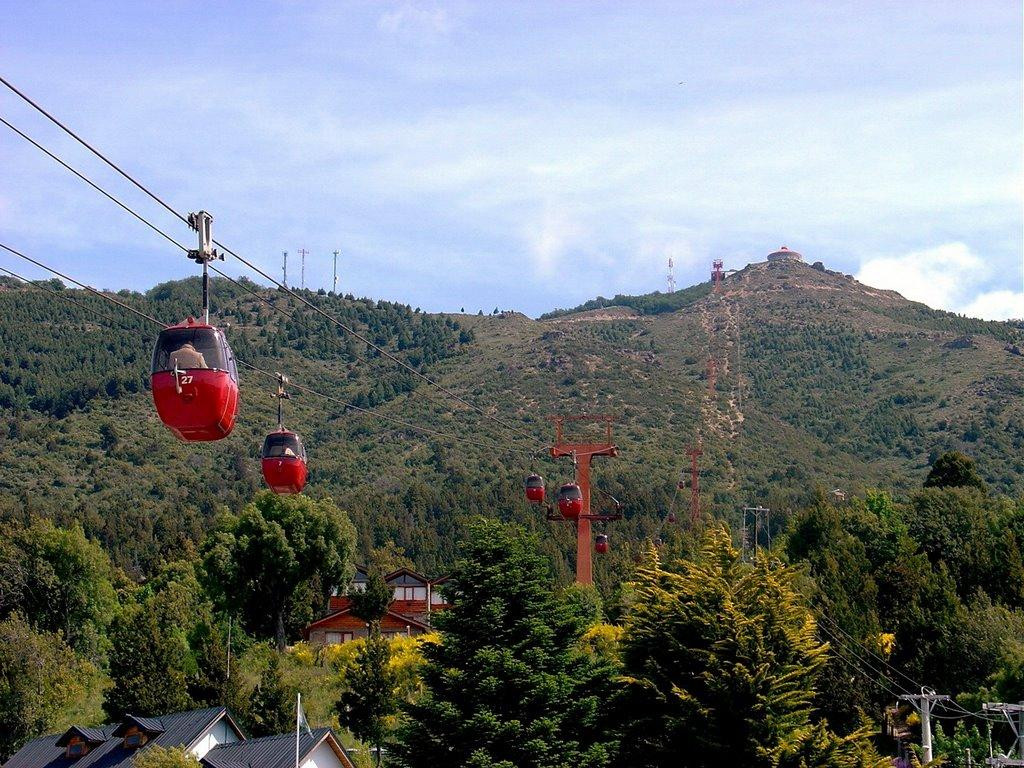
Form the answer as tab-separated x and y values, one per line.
415	598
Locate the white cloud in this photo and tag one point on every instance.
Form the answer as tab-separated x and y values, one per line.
948	276
411	19
551	238
997	305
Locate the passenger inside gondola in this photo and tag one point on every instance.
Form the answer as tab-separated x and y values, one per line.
186	357
191	349
280	445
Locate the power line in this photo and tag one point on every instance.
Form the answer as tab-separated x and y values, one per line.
61	295
837	642
949	703
91	148
835	625
92	184
160	201
89	288
308	390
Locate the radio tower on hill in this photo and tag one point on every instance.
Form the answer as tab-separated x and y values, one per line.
671	276
716	274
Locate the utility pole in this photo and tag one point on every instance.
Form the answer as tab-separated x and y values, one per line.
924	702
302	272
335	288
1014	714
284	269
761	519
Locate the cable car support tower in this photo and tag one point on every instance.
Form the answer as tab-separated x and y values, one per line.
582	454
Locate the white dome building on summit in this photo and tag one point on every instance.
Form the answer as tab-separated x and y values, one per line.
784	254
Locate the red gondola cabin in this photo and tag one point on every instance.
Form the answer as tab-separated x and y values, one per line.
570	501
535	488
601	544
284	462
195	382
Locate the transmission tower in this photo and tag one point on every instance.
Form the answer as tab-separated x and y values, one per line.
335	288
1014	714
671	276
754	521
302	269
284	269
581	454
694	453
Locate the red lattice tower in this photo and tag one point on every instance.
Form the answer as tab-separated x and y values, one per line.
582	453
717	274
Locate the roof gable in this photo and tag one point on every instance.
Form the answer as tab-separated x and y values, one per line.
393	614
406	576
273	751
88	735
181	729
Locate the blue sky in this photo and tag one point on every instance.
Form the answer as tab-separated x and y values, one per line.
529	155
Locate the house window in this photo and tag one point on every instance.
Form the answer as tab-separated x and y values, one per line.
77	749
333	638
346	637
410	593
436	598
133	740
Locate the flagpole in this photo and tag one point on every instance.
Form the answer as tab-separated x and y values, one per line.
298	714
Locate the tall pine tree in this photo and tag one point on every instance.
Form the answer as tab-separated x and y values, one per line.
506	685
721	661
370	700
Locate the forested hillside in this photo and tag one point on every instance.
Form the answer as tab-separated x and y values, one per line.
819	382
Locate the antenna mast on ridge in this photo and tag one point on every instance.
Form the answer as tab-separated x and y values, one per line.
671	276
302	271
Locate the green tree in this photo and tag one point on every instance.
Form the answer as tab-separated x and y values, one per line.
371	604
64	583
151	660
272	705
954	470
260	564
39	676
721	659
506	684
953	742
845	592
156	756
370	700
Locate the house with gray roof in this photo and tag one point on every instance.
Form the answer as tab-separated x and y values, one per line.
210	734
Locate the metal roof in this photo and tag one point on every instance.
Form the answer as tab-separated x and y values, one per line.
269	751
90	735
180	729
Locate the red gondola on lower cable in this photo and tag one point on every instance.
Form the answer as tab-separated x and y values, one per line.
284	462
570	501
195	381
535	488
601	543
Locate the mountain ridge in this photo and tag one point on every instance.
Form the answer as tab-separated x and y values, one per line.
819	381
